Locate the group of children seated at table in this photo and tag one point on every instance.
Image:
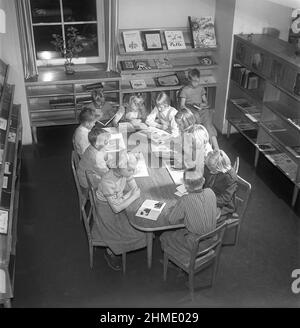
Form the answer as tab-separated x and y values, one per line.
209	178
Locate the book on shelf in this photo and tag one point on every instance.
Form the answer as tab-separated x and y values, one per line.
206	60
127	65
150	209
253	117
203	31
168	80
3	123
163	63
142	65
272	126
132	41
297	85
89	87
295	150
62	102
84	99
138	84
7	166
174	40
266	147
3	221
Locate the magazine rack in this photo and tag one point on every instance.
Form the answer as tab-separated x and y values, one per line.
10	145
264	101
177	61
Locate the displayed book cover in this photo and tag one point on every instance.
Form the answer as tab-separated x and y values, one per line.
127	65
150	209
142	65
175	40
3	221
138	84
272	126
168	80
162	63
266	147
132	41
203	31
3	124
206	60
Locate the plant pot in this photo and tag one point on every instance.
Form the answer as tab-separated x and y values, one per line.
69	68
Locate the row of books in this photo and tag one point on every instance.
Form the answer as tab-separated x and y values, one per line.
160	63
244	77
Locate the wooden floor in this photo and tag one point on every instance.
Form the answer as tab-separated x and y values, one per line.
52	267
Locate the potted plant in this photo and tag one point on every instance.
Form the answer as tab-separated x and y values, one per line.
70	49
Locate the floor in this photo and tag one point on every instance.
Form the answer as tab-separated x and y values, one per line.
52	268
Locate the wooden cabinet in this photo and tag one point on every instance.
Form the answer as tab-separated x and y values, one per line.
10	160
166	62
264	101
56	99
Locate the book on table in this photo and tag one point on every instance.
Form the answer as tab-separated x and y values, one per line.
150	209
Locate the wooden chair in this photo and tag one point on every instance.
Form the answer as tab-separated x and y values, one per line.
236	165
234	221
82	198
199	258
91	226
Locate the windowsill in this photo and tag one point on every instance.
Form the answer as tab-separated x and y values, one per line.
54	74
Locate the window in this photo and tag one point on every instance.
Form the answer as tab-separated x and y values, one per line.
56	16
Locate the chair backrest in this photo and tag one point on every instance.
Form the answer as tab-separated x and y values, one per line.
236	165
74	164
242	196
212	251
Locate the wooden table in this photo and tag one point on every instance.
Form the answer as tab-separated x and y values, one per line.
157	186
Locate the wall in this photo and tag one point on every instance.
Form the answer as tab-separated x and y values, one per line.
10	53
158	13
252	16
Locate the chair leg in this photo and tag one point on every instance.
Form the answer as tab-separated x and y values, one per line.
191	284
124	262
166	261
91	256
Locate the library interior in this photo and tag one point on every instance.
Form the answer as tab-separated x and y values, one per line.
149	153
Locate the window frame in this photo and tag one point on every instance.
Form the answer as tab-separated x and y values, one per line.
80	60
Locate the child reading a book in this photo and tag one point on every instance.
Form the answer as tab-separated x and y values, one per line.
193	96
80	137
197	210
134	112
103	109
163	115
222	179
116	191
194	140
94	158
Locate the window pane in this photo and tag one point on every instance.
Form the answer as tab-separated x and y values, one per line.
45	11
79	10
43	38
87	34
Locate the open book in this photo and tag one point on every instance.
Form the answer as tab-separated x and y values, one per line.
150	209
107	122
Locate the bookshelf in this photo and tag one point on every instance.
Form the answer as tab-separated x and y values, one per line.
166	62
10	140
266	108
56	99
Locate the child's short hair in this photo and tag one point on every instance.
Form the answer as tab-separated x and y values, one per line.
86	115
186	117
219	161
136	100
193	73
94	133
193	178
162	99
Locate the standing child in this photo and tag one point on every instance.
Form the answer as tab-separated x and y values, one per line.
163	115
194	94
80	137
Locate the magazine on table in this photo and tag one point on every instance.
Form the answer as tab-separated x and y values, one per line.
150	209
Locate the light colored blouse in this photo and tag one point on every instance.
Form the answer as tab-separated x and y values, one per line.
80	139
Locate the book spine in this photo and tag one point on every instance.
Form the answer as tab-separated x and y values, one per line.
191	30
